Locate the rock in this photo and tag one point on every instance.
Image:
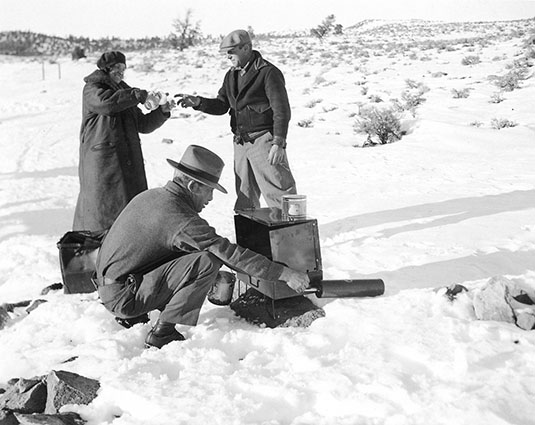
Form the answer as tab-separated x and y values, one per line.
69	418
54	287
25	396
34	305
10	307
453	290
490	302
525	320
4	317
258	309
524	310
8	418
69	388
168	141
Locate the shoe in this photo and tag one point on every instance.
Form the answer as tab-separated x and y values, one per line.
161	334
131	321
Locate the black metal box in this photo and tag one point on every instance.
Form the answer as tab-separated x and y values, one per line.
294	243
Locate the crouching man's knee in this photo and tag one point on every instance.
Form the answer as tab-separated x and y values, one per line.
208	263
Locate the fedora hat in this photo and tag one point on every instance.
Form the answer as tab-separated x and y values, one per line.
201	165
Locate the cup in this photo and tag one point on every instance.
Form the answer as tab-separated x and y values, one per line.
294	207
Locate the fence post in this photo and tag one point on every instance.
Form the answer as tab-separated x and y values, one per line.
59	71
43	69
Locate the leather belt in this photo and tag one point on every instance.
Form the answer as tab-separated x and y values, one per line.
243	138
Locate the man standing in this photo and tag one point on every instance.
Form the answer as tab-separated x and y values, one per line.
254	91
161	255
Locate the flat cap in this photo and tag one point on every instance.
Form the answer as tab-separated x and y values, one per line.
234	39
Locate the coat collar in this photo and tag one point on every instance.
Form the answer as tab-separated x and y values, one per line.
256	63
101	77
180	192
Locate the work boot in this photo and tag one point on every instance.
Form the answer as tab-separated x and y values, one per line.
161	334
131	321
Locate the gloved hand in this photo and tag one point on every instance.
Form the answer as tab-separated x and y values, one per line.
141	95
298	281
188	101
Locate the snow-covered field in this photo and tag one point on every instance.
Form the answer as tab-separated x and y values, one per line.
452	202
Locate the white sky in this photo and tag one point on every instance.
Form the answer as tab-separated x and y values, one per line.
139	18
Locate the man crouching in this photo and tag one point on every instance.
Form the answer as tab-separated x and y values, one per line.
161	255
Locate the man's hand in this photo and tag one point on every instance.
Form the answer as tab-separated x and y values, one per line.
188	101
276	155
167	106
298	281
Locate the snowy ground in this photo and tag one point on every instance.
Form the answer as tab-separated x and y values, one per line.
453	202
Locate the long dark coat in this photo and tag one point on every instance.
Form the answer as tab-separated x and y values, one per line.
111	168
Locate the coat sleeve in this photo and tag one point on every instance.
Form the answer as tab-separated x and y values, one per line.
102	100
147	123
198	235
219	105
278	99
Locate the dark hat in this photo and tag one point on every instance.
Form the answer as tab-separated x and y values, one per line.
201	165
108	59
235	38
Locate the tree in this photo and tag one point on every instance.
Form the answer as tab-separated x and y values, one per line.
187	32
326	27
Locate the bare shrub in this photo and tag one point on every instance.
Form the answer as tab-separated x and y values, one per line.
312	103
412	99
496	97
499	123
460	94
384	124
518	72
471	60
305	123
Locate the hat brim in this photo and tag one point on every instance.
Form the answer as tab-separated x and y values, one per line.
196	177
225	50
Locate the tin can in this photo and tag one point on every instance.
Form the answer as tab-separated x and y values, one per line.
294	207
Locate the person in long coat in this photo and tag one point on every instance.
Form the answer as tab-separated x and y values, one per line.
111	168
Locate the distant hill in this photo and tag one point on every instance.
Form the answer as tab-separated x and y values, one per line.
26	43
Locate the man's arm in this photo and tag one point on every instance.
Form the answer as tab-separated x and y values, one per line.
275	88
197	235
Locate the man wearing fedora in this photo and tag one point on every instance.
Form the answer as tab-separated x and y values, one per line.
161	255
254	94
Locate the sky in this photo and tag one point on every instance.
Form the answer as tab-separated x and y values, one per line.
140	18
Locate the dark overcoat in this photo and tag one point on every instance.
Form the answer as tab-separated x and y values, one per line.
111	168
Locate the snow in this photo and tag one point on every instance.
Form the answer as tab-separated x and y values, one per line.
450	203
